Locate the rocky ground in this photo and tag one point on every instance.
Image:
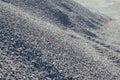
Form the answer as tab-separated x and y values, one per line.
54	40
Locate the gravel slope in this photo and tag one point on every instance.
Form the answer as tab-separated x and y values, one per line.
37	44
